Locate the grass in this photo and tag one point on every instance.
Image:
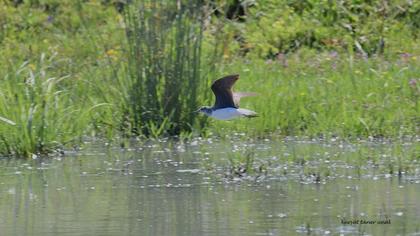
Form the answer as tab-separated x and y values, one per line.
329	94
38	113
164	60
71	71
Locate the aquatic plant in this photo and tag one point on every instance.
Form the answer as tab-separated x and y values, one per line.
165	78
38	114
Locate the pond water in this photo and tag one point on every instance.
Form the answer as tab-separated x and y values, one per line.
210	187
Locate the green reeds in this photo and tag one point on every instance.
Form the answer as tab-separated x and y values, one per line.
165	79
38	113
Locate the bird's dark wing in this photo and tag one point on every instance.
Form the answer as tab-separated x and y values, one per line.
222	89
238	95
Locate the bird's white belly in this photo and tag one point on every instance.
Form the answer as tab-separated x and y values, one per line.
226	113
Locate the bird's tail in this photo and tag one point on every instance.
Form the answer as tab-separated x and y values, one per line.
252	115
248	113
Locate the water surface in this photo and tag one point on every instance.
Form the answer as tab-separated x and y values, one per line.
206	187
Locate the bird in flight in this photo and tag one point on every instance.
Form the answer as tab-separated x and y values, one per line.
226	106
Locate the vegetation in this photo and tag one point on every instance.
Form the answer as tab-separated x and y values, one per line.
38	113
330	94
108	69
366	27
164	60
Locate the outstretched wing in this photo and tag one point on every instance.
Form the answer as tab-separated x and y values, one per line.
222	89
237	97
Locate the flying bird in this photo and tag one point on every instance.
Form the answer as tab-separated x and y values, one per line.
226	106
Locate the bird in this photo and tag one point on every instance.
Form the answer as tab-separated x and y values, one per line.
226	106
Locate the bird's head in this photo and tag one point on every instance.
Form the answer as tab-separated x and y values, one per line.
205	110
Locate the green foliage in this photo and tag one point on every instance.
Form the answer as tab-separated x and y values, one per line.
164	61
74	68
368	27
38	113
328	94
46	102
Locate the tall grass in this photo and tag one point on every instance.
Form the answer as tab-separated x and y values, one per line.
38	113
47	98
164	65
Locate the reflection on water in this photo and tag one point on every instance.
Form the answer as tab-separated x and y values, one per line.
187	189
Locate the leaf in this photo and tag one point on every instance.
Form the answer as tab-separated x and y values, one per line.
7	121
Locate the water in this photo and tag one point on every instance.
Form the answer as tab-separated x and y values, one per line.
206	188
